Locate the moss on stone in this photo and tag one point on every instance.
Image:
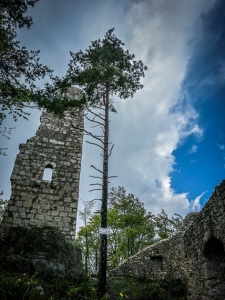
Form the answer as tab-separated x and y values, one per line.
40	249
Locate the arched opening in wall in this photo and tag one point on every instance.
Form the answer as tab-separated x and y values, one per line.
214	266
213	247
47	175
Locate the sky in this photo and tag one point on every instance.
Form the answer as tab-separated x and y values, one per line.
170	137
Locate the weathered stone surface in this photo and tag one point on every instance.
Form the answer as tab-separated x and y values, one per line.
38	226
197	253
204	245
40	250
37	202
163	260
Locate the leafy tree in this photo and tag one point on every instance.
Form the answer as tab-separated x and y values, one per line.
89	235
20	70
85	215
166	227
135	225
132	229
104	69
3	204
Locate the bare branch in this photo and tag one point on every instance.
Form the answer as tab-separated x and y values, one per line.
112	176
97	199
96	169
87	132
95	126
95	144
95	177
93	120
111	150
32	106
94	190
97	115
96	184
93	200
71	123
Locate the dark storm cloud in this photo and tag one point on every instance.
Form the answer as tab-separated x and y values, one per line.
203	87
205	77
146	130
69	25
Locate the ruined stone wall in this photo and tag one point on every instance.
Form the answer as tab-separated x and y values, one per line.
165	259
204	245
38	202
196	253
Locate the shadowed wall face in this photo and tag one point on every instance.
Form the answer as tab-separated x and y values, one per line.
204	245
197	253
45	178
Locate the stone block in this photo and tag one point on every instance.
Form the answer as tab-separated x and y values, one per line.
47	207
67	199
26	204
30	216
12	208
68	209
54	213
18	203
23	215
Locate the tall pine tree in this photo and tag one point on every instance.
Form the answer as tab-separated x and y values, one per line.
103	70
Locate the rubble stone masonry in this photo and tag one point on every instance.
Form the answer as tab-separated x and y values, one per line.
196	254
204	245
162	260
35	201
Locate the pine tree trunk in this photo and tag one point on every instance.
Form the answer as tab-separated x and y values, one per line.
103	238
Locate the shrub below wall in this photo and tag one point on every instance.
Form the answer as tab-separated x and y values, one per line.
40	250
24	287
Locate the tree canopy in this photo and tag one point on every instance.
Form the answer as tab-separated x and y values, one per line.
19	68
103	70
132	229
105	67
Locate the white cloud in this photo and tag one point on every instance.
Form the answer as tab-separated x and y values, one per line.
221	147
195	204
147	128
193	149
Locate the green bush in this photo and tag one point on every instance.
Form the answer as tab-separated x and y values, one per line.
26	287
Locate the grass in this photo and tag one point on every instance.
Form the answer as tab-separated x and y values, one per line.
26	287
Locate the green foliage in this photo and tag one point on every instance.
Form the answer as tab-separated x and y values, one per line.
20	245
84	215
105	66
132	229
133	288
3	204
103	70
25	287
89	235
132	226
55	98
166	227
19	68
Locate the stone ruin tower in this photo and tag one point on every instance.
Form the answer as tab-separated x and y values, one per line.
35	202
